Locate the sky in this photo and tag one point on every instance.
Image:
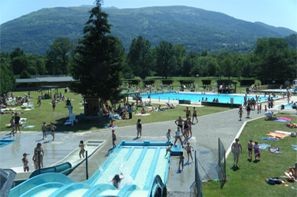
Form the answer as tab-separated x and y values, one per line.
280	13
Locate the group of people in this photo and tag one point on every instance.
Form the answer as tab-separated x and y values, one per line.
44	128
37	158
236	150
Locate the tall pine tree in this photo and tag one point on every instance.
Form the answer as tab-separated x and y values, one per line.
98	62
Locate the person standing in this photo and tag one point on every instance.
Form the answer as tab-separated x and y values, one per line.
114	138
17	119
181	163
250	150
179	122
240	112
82	149
54	104
43	128
53	130
178	135
189	149
257	152
248	111
188	113
25	162
12	126
194	116
236	150
138	128
38	156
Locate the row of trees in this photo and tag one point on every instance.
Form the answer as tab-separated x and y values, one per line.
272	59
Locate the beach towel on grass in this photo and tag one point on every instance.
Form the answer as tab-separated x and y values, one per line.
270	138
264	146
294	146
277	135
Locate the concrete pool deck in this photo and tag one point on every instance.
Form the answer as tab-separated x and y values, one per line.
205	135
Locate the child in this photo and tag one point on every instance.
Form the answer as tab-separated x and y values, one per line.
114	138
25	162
189	151
181	163
178	136
168	150
82	149
240	113
250	150
116	180
257	151
138	128
168	135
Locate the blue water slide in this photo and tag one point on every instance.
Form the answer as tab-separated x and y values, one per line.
42	188
127	190
37	180
149	178
97	189
137	164
63	191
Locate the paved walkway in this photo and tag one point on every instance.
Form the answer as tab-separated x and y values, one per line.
224	125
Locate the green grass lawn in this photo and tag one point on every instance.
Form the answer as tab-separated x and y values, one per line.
249	180
44	113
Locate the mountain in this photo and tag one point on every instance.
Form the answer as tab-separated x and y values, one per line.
195	28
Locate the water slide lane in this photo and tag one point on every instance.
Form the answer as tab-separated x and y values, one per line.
150	176
97	189
44	189
143	171
108	173
162	167
66	189
36	181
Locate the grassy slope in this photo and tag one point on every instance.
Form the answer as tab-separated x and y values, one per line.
250	179
44	113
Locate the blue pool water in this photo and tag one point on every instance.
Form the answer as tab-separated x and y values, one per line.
139	162
198	97
5	141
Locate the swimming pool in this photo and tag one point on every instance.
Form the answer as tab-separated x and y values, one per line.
199	97
5	141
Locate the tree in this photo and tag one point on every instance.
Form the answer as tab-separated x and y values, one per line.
57	57
165	59
98	62
7	80
140	57
273	60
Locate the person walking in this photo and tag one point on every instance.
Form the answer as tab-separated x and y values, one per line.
43	128
189	149
139	128
178	135
114	138
194	115
168	135
236	150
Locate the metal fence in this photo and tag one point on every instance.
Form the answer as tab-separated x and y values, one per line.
221	163
196	187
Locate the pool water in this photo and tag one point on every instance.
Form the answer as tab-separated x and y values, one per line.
199	97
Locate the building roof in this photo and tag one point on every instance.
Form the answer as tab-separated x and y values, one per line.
47	79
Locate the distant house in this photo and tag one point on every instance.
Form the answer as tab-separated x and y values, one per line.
43	82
